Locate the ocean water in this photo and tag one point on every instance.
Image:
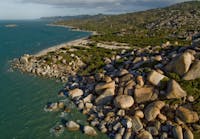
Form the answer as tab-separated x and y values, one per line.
23	96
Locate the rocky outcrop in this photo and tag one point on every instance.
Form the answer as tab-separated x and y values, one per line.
134	95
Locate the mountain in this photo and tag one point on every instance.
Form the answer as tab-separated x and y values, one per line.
64	18
176	23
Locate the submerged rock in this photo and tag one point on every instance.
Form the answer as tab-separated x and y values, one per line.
57	130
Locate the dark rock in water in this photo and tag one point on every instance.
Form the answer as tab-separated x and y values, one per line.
194	72
72	126
88	130
57	130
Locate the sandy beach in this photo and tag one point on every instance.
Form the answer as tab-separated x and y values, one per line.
77	42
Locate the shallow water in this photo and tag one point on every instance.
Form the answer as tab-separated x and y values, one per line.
23	96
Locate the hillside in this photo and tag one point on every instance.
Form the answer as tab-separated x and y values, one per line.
152	27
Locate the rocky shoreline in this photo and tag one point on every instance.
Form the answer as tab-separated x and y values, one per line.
136	94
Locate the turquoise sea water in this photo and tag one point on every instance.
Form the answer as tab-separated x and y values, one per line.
23	96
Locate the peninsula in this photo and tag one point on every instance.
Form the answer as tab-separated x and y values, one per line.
138	77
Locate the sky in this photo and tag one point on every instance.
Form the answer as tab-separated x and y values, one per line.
33	9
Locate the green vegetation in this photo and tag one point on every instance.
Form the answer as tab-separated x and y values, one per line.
153	27
93	57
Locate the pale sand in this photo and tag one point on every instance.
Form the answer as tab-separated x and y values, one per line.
77	42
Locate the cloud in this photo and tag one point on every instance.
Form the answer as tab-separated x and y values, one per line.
107	5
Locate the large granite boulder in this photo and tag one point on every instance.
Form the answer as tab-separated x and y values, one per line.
75	93
72	126
187	115
146	93
193	73
123	101
153	110
88	130
177	132
137	124
174	90
105	97
102	86
155	77
144	135
180	64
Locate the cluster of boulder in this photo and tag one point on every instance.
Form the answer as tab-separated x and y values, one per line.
130	99
51	66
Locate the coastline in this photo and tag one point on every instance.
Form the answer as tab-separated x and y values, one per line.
65	44
73	28
62	45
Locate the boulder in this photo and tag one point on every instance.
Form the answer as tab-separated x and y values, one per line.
144	94
180	64
153	110
105	97
144	135
155	77
140	80
88	130
153	130
137	124
177	132
72	126
187	115
24	59
128	89
75	93
187	134
174	90
102	86
139	114
123	101
193	73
